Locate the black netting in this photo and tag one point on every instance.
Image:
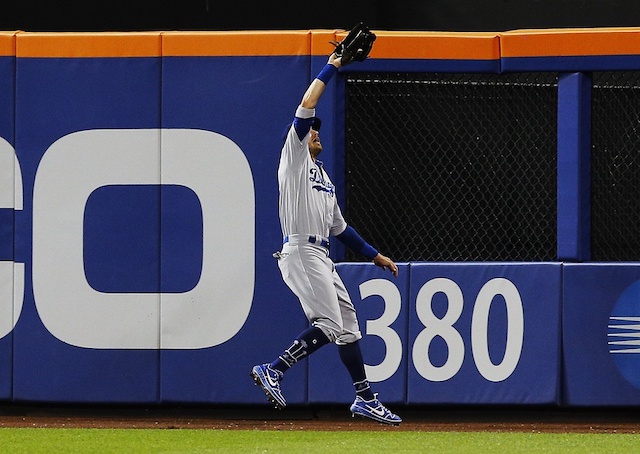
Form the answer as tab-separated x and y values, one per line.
615	167
453	167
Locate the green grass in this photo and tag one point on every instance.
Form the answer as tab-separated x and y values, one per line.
104	441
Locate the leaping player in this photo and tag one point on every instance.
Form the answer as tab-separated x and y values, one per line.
309	215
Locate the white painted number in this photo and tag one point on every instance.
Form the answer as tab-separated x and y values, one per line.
11	273
440	327
443	328
480	326
381	327
211	165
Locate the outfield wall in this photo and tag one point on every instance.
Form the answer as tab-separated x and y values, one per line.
138	217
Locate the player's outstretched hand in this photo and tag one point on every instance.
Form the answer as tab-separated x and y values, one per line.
385	263
335	60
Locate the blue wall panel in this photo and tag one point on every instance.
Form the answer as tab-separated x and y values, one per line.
248	103
484	333
601	319
573	63
428	65
7	216
70	117
574	167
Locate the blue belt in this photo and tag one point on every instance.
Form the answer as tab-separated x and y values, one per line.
313	239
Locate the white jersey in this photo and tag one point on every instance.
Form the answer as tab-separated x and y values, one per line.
307	201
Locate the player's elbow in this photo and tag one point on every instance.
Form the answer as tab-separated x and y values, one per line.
312	95
309	102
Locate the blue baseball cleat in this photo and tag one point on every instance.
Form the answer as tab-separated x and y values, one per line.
373	409
269	380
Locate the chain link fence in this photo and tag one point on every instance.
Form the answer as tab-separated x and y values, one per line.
615	166
453	167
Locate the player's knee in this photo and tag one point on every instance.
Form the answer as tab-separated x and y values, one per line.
348	338
331	329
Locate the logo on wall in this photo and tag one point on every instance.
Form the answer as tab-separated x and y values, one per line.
623	334
107	218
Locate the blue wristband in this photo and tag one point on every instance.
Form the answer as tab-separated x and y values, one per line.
327	73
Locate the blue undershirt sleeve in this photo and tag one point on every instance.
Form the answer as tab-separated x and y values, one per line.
302	126
356	243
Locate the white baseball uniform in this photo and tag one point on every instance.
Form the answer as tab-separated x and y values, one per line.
309	214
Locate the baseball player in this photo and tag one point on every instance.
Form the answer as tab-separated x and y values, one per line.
309	214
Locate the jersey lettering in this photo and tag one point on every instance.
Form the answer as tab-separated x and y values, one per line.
319	182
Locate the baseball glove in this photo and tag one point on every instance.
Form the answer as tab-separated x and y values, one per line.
356	45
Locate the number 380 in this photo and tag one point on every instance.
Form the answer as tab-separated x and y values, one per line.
434	326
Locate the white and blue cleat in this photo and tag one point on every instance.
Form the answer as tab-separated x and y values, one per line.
269	380
373	409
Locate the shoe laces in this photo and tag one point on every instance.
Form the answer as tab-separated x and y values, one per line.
276	374
378	405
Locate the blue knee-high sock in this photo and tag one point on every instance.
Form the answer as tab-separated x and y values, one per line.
306	343
351	357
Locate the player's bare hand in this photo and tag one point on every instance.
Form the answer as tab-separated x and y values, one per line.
386	263
335	60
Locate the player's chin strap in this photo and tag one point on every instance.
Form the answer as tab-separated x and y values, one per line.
356	243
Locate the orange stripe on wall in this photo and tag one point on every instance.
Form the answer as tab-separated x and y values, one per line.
435	45
389	45
7	44
570	42
321	42
222	44
73	45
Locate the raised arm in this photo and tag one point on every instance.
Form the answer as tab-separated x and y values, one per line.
315	90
